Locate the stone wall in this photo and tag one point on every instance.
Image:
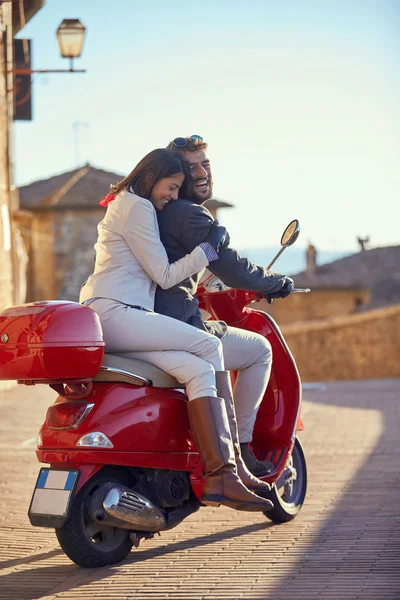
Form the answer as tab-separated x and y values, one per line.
361	346
60	245
75	233
319	304
41	268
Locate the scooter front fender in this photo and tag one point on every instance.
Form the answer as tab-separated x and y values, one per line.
278	418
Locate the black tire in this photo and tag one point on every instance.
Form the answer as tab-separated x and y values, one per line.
288	498
86	542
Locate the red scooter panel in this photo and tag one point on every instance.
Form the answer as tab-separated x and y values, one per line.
279	414
279	411
135	419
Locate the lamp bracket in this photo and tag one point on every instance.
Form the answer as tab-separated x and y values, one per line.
29	71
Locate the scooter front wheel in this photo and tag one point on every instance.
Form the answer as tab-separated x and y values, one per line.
87	542
290	489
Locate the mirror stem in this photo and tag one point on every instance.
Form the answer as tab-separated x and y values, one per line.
276	257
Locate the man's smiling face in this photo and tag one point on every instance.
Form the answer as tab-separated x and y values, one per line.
199	168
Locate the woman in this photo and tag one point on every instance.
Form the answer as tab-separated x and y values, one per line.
130	262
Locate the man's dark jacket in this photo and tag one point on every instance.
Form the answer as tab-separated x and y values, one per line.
183	226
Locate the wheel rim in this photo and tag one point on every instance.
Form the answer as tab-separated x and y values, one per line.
290	485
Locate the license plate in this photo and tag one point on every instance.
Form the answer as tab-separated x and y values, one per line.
53	492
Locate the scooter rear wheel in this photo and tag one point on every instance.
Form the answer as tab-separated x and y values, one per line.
290	490
85	541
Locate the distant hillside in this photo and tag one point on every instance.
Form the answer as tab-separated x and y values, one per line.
293	260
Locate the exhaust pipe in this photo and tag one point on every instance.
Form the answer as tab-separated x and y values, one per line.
127	509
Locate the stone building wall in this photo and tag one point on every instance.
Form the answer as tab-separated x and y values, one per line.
6	257
319	304
75	233
362	346
41	260
60	245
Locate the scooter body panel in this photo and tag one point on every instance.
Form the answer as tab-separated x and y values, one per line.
149	427
138	420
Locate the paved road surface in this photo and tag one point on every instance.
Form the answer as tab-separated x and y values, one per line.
344	545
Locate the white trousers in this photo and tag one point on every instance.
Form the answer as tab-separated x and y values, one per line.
192	355
189	354
251	355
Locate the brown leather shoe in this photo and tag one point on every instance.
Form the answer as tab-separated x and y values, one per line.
260	468
224	389
210	428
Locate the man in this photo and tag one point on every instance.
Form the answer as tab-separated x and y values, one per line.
183	225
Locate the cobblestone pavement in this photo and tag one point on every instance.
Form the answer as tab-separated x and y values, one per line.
345	543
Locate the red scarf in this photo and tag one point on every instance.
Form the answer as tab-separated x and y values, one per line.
106	200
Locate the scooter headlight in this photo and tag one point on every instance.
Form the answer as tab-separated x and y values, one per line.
95	439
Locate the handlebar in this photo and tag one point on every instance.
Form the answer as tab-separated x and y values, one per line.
258	296
228	303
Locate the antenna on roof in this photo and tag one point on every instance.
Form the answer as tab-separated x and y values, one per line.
363	242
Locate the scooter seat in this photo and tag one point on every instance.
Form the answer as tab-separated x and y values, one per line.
123	368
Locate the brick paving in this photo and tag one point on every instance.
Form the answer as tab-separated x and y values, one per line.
344	545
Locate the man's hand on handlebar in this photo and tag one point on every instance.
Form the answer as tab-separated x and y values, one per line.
286	289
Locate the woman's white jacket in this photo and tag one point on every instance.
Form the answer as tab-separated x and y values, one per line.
130	258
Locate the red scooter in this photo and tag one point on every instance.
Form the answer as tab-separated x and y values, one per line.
123	462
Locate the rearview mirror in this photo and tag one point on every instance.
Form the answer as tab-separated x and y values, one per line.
288	238
290	234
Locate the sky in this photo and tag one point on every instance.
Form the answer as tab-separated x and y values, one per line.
298	101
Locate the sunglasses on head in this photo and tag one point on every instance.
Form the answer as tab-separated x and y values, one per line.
181	142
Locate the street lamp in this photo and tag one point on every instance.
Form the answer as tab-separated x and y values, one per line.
70	37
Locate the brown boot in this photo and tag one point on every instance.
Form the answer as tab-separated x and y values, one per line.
210	428
224	390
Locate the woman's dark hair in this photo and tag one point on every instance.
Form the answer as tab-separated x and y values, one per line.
156	165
